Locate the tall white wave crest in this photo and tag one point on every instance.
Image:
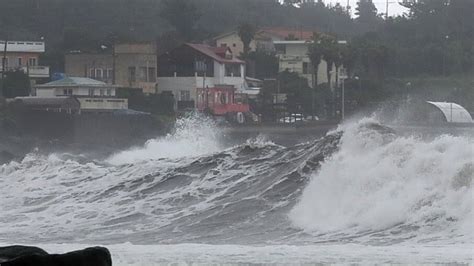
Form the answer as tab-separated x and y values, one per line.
193	135
380	181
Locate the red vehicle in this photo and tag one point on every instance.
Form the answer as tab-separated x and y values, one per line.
221	101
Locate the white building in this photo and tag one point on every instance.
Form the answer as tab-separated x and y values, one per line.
24	56
92	95
191	66
293	56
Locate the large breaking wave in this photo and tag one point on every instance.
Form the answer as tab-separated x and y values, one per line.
361	183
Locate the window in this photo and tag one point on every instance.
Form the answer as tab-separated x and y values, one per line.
132	74
110	74
142	74
99	73
109	92
232	70
280	48
200	66
20	61
102	92
151	74
185	96
67	91
305	68
223	44
91	92
234	45
32	61
92	73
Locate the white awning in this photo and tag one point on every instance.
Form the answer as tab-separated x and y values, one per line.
454	113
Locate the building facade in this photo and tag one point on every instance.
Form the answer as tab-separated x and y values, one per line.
127	65
263	40
93	95
293	56
24	56
191	66
291	47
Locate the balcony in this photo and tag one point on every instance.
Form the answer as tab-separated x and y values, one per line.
36	71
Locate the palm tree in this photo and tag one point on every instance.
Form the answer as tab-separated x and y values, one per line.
315	53
330	54
246	33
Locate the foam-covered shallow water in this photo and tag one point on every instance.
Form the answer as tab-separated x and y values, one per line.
361	189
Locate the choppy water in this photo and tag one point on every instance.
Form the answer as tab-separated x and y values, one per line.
362	184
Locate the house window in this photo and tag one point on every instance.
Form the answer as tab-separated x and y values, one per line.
280	48
305	68
142	74
20	61
67	91
200	66
109	92
110	74
223	44
151	74
32	61
98	73
91	92
232	70
132	74
92	73
102	92
185	96
234	45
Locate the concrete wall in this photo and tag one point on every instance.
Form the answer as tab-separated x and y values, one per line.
103	103
53	92
177	84
219	72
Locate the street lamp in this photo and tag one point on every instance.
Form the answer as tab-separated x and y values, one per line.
343	77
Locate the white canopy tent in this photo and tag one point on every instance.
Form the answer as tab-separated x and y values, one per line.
454	113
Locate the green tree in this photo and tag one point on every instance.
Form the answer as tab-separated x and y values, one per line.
182	15
16	83
330	51
246	33
366	13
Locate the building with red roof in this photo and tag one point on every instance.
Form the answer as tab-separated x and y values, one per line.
189	67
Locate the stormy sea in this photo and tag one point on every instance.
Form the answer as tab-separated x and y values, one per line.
361	194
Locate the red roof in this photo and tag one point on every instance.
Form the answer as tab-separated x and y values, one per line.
284	33
216	53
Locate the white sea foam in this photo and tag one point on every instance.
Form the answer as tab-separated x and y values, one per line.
193	135
375	182
276	255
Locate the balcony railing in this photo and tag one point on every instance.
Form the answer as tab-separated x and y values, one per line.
32	71
36	71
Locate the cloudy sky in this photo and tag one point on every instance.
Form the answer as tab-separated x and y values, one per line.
393	9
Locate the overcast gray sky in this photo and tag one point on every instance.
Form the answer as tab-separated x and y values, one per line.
393	9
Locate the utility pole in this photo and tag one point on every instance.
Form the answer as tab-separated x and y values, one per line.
4	63
387	2
113	61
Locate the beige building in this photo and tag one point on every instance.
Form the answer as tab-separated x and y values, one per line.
291	46
134	66
293	57
264	39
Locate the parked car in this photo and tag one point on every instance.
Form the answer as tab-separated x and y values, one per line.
292	118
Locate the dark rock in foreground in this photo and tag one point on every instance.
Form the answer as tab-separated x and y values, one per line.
13	252
33	256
